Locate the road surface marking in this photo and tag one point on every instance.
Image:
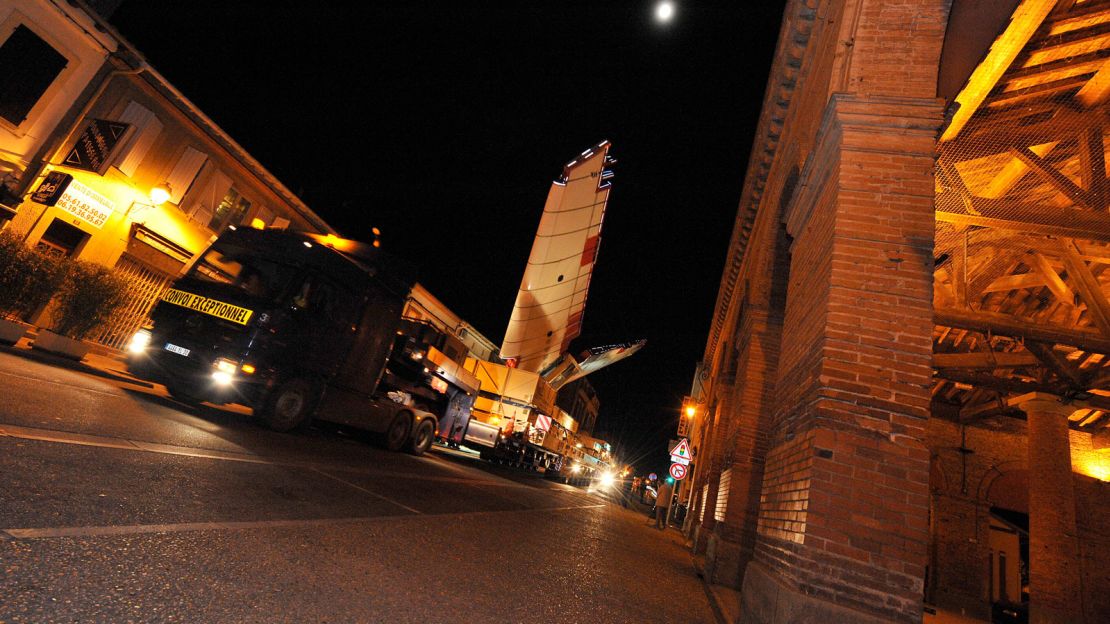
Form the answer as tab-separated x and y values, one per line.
137	529
62	383
83	439
371	493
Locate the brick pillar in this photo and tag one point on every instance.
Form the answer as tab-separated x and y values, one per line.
843	519
961	537
712	457
1054	594
735	537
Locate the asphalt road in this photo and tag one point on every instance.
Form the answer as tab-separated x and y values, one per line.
118	504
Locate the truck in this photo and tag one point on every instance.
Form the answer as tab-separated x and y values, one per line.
301	326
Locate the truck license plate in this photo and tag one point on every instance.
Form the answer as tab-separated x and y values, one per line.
172	348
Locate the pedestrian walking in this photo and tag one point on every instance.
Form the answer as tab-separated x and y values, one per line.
663	504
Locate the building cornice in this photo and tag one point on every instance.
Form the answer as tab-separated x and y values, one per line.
794	36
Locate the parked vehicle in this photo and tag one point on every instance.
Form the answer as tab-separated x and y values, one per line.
301	326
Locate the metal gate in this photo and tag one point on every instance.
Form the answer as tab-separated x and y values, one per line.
146	285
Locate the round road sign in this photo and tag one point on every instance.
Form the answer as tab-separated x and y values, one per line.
678	471
652	477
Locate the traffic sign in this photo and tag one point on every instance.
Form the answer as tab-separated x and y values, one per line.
678	471
682	450
652	477
678	460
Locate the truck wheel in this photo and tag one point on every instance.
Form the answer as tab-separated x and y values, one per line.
289	405
422	438
398	433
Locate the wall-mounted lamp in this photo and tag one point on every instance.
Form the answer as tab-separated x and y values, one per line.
161	193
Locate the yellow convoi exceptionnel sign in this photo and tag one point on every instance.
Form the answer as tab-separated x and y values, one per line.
214	307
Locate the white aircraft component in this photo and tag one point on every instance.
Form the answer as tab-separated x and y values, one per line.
548	311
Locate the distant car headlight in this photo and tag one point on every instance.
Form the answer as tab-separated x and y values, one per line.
140	341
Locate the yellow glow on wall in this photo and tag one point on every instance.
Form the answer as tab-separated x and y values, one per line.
1096	467
258	224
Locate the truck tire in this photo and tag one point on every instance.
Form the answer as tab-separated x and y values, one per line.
290	404
422	437
397	436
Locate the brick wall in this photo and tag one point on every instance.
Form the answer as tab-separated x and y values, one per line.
993	474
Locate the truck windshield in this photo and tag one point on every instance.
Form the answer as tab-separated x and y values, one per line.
229	264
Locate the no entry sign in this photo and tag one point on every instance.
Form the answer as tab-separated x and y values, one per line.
678	471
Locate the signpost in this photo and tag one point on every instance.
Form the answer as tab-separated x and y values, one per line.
678	471
680	453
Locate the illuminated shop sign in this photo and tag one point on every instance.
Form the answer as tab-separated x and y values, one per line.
213	307
86	204
61	190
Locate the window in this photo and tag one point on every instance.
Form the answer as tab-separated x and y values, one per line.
232	208
257	277
61	239
28	65
722	496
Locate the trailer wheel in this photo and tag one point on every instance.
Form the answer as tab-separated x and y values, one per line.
422	438
290	405
398	433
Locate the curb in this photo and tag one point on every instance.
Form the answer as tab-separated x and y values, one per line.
725	609
62	362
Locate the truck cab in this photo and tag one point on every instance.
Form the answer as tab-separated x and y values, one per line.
295	326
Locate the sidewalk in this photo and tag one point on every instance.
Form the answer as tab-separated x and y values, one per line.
99	362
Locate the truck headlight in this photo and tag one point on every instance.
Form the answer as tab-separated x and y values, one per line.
139	342
225	371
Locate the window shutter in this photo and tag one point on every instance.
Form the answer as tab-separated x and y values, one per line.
722	496
184	172
201	203
147	128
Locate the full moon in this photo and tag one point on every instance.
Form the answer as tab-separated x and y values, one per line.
664	11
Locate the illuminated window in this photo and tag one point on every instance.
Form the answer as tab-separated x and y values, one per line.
722	496
28	65
232	209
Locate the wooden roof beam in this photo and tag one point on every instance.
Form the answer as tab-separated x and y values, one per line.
1053	281
985	359
1014	327
1047	227
1059	181
1060	367
1027	17
1098	308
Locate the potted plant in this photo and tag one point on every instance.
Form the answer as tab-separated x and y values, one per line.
27	281
90	295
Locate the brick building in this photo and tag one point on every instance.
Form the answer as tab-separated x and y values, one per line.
905	395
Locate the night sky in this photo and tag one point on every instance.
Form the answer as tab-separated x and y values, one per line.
444	123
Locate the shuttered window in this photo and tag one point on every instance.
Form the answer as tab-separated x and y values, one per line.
184	172
704	499
28	65
205	197
147	127
722	496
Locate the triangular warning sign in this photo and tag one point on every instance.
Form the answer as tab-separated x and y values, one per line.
682	449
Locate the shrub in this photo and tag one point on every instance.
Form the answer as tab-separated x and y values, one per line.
28	279
90	296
